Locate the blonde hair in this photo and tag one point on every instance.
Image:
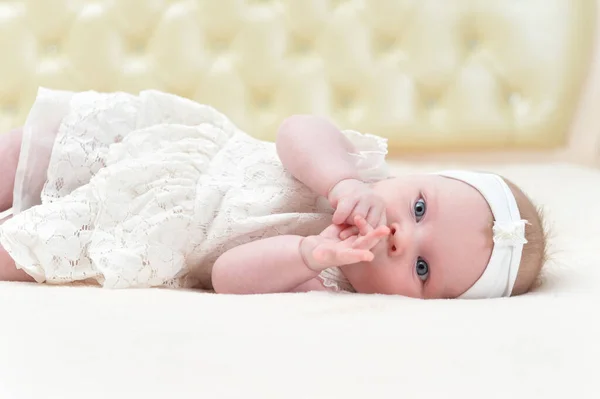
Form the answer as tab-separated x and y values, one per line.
535	252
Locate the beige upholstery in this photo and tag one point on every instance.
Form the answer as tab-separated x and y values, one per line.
430	75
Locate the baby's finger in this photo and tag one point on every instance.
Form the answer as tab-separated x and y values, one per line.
350	240
350	256
348	232
365	242
371	239
343	210
363	227
374	216
361	209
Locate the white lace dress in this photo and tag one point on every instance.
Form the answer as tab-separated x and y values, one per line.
149	190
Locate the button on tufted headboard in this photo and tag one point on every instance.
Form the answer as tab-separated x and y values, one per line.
428	74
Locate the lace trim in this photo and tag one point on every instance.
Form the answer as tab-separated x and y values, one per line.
370	159
334	278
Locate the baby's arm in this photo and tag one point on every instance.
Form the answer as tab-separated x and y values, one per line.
266	266
320	156
315	152
291	263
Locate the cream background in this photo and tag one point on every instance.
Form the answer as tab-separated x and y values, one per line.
433	76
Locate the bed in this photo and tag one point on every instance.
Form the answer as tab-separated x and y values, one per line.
508	86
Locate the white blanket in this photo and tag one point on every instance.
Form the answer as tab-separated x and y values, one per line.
183	344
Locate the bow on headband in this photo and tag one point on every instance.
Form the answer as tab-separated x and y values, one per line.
510	233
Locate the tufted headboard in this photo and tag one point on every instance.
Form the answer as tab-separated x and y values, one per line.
431	75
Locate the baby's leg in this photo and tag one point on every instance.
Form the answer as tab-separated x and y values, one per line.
8	270
10	147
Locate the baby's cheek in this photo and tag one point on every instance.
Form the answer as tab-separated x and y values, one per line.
393	278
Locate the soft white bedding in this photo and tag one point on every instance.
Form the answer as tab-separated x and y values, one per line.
182	344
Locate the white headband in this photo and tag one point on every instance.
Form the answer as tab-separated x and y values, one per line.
501	272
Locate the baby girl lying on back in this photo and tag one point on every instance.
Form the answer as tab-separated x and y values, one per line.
158	191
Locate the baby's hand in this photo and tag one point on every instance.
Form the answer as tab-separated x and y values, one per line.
352	198
327	250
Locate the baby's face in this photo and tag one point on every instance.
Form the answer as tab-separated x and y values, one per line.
440	244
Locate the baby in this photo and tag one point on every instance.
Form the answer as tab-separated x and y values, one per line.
155	190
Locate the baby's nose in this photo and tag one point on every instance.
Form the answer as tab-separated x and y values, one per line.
400	239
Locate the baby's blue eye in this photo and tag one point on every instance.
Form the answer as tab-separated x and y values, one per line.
422	269
420	208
